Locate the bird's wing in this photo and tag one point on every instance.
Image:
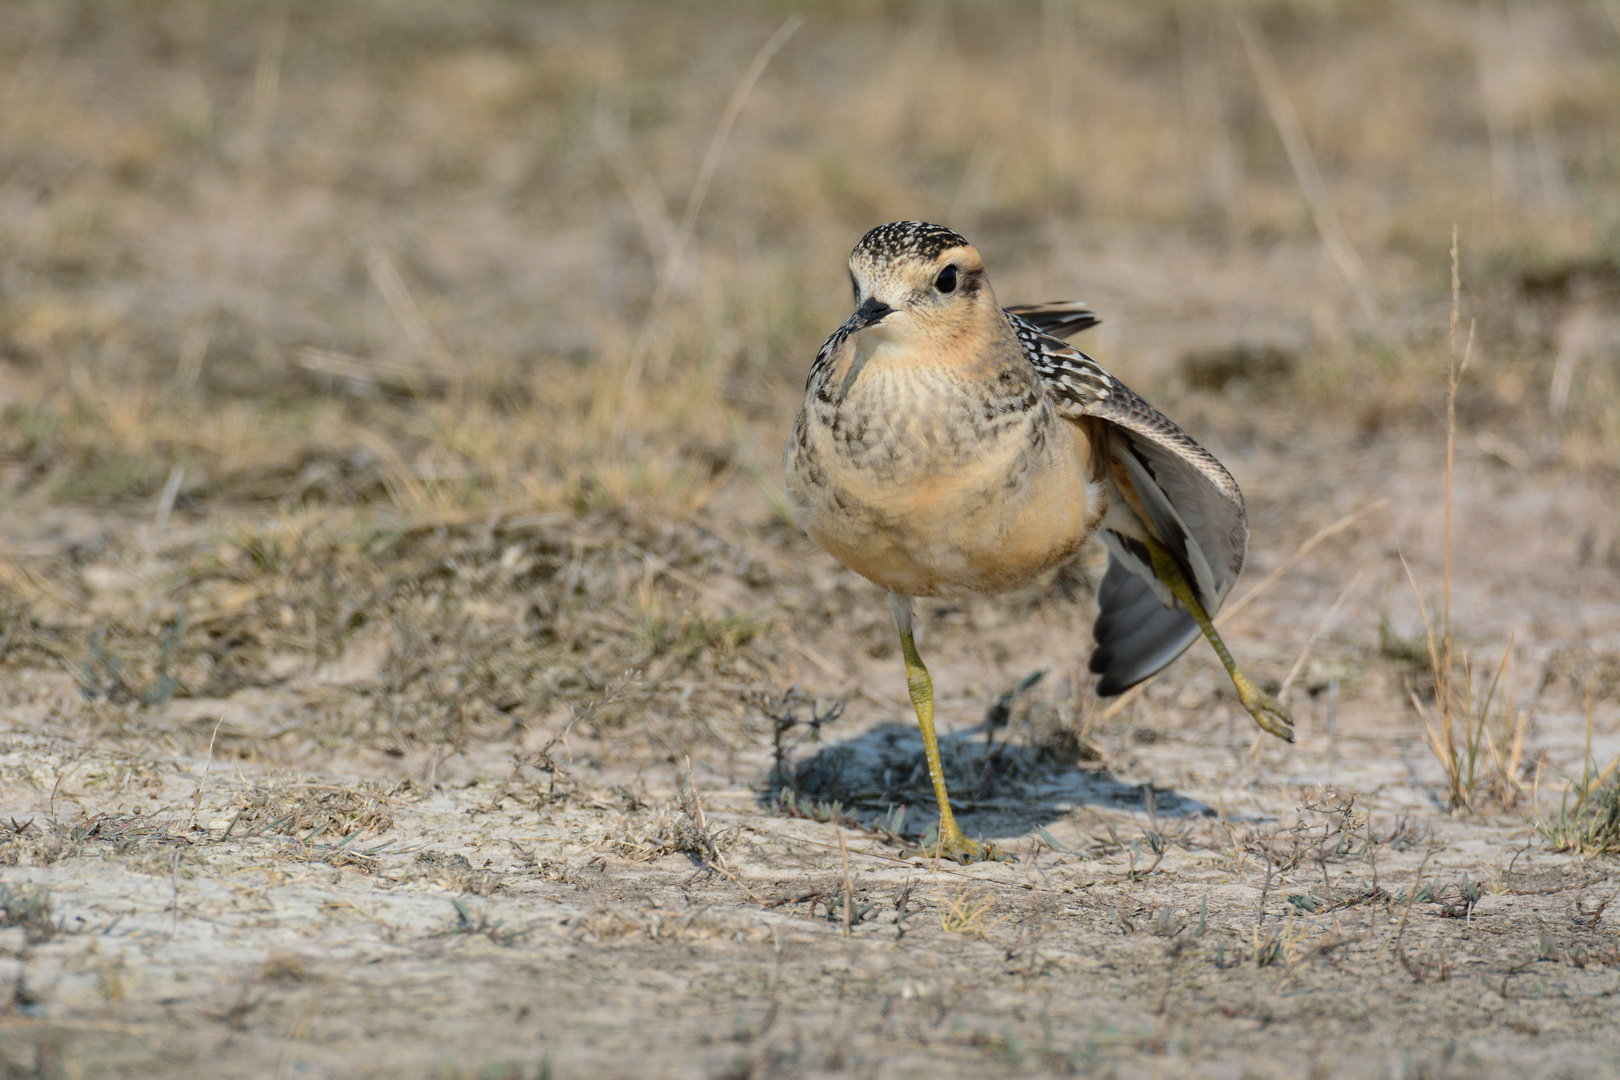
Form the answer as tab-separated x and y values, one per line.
1062	319
1136	634
1167	486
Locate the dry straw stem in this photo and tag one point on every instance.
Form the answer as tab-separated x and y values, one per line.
1454	375
1310	179
1451	443
1231	611
700	190
1305	653
208	762
1502	745
1303	162
403	306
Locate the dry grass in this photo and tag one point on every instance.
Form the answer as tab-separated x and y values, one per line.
969	914
1588	817
1478	738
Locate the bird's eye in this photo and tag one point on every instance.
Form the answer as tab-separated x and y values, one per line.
946	282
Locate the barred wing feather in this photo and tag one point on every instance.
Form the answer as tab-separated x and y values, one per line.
1191	504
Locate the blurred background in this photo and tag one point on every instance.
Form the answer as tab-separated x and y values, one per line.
451	257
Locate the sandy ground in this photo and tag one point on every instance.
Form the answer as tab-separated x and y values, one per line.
1191	907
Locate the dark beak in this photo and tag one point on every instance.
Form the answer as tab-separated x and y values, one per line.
870	313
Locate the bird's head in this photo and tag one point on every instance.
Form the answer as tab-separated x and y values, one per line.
916	279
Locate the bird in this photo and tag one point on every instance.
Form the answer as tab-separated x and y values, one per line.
949	446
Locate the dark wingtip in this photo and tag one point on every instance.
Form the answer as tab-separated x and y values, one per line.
1110	687
1136	635
1063	319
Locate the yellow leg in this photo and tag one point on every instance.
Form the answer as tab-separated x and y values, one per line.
953	843
1267	711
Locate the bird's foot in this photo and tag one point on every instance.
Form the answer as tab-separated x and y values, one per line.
952	843
1268	712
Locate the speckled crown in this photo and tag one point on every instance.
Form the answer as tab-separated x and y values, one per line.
906	239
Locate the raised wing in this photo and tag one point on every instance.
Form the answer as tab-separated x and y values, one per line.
1062	319
1165	486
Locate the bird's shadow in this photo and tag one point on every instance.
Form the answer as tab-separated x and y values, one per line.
999	788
